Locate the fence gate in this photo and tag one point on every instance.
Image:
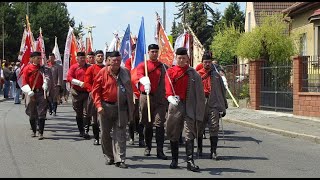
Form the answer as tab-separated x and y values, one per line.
276	87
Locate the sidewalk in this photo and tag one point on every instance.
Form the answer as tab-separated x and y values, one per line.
286	124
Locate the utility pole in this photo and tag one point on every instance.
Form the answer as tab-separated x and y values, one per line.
164	15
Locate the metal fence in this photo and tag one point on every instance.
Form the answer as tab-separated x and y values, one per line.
238	80
310	74
276	86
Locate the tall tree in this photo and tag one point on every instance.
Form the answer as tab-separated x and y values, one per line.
176	30
233	15
52	17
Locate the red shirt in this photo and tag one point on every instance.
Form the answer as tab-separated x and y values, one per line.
90	75
206	80
180	85
199	66
154	76
105	87
76	72
29	75
127	64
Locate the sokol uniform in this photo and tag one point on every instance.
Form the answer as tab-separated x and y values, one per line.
216	102
90	75
186	106
112	94
57	71
36	80
154	86
79	93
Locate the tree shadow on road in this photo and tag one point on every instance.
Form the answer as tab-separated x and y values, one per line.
219	171
73	137
240	138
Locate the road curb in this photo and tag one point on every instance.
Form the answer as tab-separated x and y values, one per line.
312	138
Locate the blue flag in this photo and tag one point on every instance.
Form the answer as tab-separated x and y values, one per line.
125	48
140	46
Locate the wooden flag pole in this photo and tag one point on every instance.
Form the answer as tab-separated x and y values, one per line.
148	97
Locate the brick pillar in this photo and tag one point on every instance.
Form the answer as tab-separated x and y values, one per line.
297	83
255	83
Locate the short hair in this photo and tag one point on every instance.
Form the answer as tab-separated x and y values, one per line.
182	51
153	46
81	54
108	54
98	52
115	54
51	54
91	53
35	53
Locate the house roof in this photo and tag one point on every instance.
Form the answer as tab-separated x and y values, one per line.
315	15
269	8
299	7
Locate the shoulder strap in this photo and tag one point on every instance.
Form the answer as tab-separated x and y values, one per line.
206	75
176	79
155	68
35	80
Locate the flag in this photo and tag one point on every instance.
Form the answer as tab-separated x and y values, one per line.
41	48
125	48
66	56
22	45
89	46
197	48
56	51
80	44
25	53
114	45
73	50
140	46
166	53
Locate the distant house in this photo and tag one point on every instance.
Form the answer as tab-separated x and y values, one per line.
255	11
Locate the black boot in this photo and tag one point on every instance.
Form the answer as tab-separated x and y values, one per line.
33	126
50	107
141	135
214	144
148	133
95	130
175	152
160	141
181	139
200	140
80	126
55	105
87	123
131	133
41	128
189	151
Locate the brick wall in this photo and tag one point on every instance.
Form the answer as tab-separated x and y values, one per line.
255	83
304	103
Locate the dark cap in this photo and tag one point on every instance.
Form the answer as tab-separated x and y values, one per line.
153	46
207	56
98	52
81	54
91	53
114	54
35	53
181	51
51	54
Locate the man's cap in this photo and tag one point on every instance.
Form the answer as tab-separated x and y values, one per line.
207	55
98	52
91	53
51	54
35	53
81	54
181	51
153	46
114	54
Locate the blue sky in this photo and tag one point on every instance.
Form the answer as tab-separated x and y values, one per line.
109	17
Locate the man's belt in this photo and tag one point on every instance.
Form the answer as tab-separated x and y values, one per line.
144	93
112	103
38	90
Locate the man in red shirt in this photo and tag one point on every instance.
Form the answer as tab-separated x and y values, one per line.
36	84
184	91
89	78
136	124
79	93
153	84
112	96
216	103
90	58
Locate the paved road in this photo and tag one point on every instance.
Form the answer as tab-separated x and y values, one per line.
246	152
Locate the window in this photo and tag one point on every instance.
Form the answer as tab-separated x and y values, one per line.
303	44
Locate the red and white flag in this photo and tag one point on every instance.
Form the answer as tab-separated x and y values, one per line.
56	51
66	56
41	48
25	53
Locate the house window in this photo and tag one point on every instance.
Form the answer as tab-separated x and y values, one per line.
303	44
249	21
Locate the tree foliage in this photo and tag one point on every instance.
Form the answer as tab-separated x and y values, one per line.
268	41
53	18
225	43
233	16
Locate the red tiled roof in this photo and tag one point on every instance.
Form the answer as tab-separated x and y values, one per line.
269	8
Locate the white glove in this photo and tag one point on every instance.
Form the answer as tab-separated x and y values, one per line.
145	81
45	85
26	89
224	79
77	82
174	100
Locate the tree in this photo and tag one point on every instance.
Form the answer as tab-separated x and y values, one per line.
233	15
52	17
225	43
268	41
176	30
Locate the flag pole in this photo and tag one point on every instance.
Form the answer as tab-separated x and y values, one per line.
148	97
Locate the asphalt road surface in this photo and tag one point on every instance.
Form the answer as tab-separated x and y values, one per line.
245	152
